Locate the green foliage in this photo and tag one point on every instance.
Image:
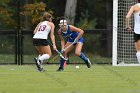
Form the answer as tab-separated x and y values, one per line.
7	44
92	44
4	2
6	15
85	23
34	11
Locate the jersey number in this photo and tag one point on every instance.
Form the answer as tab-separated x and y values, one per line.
42	28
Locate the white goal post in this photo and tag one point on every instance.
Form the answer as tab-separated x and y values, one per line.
124	53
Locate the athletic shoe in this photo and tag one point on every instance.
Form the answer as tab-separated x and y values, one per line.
37	65
60	69
88	63
41	69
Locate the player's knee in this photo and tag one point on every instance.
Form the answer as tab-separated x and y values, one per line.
50	54
65	53
77	53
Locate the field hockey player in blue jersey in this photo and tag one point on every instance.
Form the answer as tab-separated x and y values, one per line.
74	40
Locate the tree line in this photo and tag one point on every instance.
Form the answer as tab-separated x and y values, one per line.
87	14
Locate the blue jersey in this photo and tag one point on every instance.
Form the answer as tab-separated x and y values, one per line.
71	35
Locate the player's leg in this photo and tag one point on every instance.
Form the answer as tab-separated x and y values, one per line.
137	46
36	44
44	49
61	68
78	53
46	52
69	49
36	58
38	52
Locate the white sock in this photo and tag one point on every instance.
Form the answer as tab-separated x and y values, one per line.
138	56
44	56
38	56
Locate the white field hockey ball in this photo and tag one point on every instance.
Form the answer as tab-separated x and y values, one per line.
77	66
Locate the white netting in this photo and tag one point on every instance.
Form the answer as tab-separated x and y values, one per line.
126	52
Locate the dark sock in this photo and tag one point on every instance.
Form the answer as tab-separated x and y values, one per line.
82	56
61	63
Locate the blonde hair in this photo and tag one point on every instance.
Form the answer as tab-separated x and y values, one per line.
47	16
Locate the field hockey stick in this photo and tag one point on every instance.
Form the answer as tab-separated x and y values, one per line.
58	52
68	46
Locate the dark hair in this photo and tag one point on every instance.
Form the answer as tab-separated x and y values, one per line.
46	16
62	18
138	1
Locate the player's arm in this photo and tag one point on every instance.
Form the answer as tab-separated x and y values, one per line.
130	12
62	39
36	28
52	35
80	31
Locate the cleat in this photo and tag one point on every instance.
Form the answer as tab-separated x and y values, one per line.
88	63
36	61
39	64
60	69
41	69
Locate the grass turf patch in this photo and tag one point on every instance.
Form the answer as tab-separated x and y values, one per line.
98	79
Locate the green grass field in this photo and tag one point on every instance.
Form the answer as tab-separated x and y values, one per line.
98	79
